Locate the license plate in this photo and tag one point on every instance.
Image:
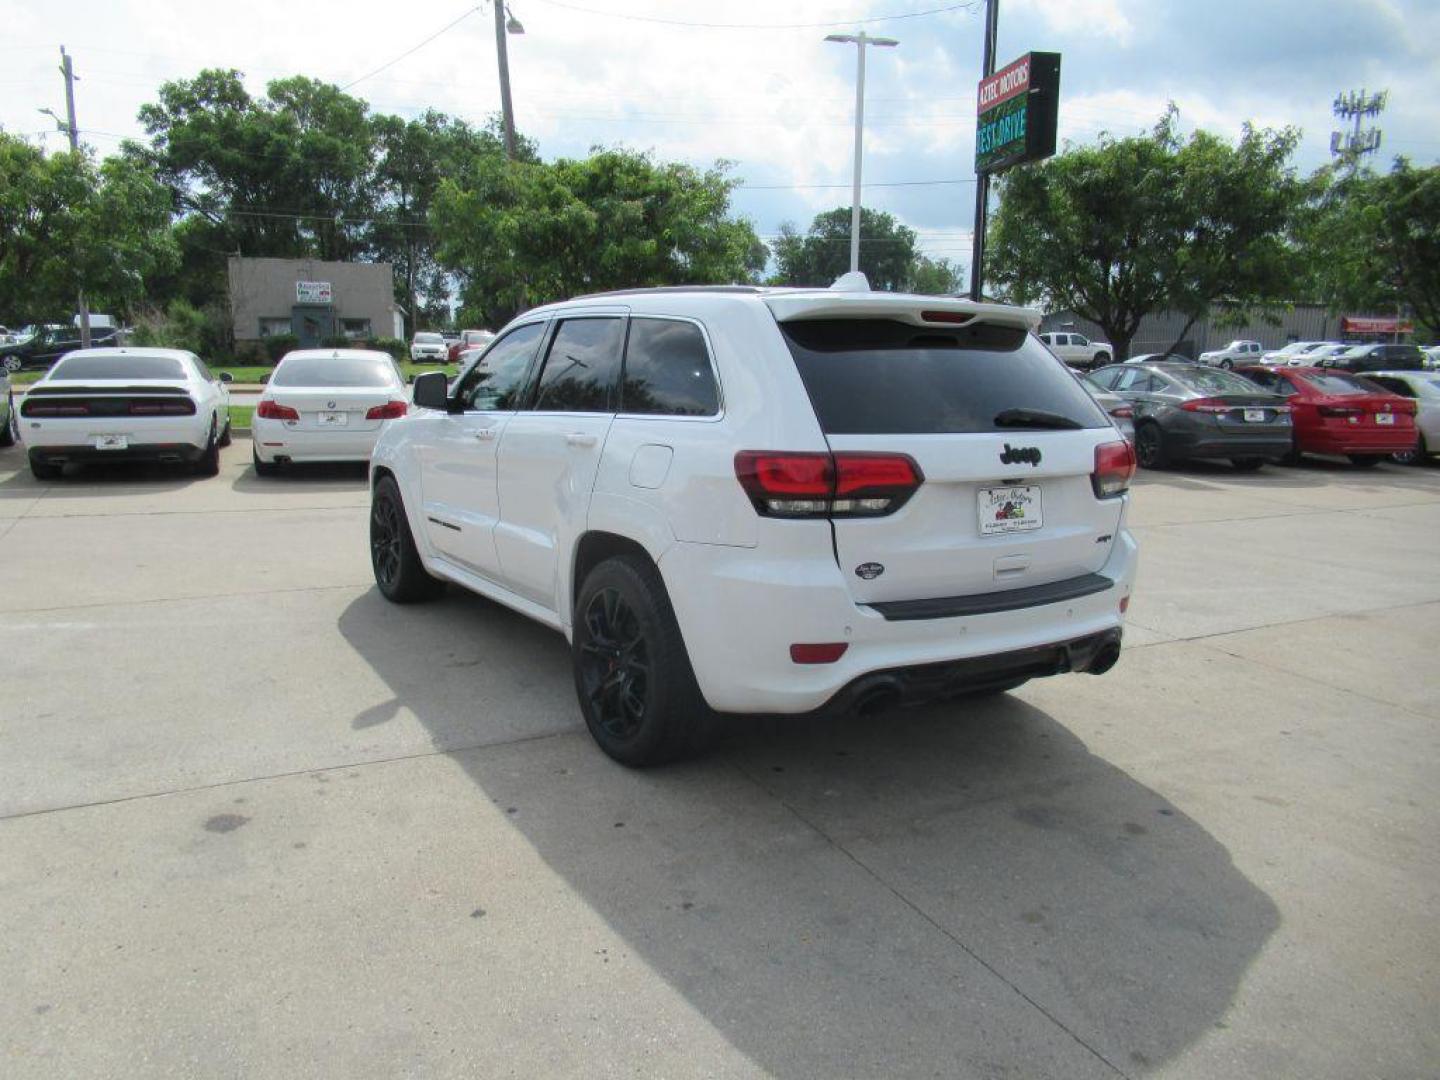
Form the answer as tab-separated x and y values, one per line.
1384	418
1254	416
1009	509
112	442
334	419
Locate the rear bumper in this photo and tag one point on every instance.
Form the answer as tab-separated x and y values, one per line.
274	440
173	453
1242	444
1365	441
740	611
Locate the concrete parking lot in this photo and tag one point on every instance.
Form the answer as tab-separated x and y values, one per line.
258	823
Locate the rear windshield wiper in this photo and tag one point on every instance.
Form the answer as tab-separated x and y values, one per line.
1034	418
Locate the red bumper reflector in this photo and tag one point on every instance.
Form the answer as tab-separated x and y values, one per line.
1124	604
818	654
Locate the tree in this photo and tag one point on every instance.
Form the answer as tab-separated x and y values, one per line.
1127	227
1374	241
520	233
935	277
887	251
67	224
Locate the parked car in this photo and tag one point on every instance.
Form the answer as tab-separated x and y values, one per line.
1117	408
7	410
1432	357
1077	350
1318	357
1362	358
1184	411
1159	358
124	404
469	339
793	500
1237	352
1292	352
428	348
325	405
1423	388
1335	412
47	344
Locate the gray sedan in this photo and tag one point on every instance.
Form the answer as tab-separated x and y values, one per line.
1186	411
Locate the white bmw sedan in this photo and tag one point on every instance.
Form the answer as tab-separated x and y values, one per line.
126	404
325	405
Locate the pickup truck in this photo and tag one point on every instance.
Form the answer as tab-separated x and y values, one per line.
48	344
1077	350
1234	354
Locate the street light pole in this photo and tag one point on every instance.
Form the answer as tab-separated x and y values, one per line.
859	40
506	23
68	70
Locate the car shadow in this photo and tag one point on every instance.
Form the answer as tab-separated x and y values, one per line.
89	480
337	476
939	891
1310	472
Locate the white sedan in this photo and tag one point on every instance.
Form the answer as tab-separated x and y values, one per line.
124	404
1422	387
325	405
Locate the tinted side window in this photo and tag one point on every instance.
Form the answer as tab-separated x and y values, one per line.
495	382
1108	377
667	370
582	368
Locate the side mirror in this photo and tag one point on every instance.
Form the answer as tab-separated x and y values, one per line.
225	376
431	391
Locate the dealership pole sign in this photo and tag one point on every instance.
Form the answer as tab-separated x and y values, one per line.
1017	109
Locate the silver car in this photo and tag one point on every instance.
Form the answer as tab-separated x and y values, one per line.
1117	408
1423	388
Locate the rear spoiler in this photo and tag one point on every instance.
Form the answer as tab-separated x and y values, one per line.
936	311
111	390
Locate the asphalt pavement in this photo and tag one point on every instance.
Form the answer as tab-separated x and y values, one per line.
256	822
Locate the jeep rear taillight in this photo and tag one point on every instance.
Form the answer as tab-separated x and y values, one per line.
1114	469
820	485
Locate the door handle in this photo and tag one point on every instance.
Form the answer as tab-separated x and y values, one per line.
580	438
485	434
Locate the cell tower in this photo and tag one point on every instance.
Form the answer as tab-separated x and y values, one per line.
1354	144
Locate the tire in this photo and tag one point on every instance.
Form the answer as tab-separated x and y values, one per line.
1247	464
7	433
209	462
1416	456
44	470
1150	446
1365	461
399	574
262	468
1227	365
13	364
225	434
1101	359
633	678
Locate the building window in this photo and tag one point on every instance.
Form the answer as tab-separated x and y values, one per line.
270	326
355	328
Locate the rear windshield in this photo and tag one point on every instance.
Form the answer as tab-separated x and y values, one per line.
333	371
1341	385
118	367
1212	381
878	376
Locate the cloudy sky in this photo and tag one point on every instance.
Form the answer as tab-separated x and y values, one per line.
752	81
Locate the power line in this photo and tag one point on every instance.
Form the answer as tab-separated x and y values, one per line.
970	6
448	26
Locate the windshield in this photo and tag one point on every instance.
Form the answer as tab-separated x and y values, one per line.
118	367
1214	381
876	376
334	371
429	339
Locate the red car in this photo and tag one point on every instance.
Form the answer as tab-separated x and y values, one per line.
1334	412
469	339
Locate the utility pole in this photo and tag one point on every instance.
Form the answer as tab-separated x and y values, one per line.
860	40
982	182
68	70
506	23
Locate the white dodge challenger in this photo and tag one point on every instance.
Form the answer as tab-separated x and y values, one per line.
126	404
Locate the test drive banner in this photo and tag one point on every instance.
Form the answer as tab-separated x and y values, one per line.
1017	109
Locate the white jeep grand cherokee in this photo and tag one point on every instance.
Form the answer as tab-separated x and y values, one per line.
741	500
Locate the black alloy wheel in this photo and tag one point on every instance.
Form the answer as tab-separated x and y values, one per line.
1150	446
208	463
399	573
1415	456
614	664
